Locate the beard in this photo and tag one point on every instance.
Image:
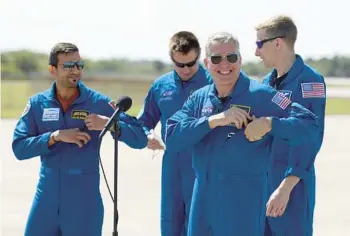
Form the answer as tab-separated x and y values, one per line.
68	82
73	82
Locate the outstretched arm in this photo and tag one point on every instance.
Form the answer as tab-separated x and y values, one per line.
130	130
149	115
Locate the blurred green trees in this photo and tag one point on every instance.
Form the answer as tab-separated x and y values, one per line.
23	64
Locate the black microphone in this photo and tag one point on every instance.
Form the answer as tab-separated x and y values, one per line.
123	104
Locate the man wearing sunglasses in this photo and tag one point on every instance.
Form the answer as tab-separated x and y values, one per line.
62	125
166	96
230	125
291	182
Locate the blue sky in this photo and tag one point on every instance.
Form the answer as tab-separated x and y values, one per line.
140	29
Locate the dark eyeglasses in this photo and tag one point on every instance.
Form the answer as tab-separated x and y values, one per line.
231	58
69	65
188	64
260	43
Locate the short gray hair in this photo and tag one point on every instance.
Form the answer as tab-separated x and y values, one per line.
220	38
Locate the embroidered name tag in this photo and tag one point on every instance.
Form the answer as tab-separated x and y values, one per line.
80	114
243	107
51	114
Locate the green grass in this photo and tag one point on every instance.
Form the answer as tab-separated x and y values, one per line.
338	106
14	96
345	86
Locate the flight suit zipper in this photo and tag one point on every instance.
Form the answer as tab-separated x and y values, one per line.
218	110
60	157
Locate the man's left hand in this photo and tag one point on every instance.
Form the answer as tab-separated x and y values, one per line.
96	122
256	129
277	203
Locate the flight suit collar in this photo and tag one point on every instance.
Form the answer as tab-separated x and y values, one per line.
83	91
241	86
296	68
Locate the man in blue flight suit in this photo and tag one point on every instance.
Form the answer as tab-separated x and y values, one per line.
62	125
291	184
230	156
166	96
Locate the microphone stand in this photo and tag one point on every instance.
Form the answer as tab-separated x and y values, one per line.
114	121
116	215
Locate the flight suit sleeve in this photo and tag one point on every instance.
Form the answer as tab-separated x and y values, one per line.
149	115
291	121
183	129
302	157
130	130
27	142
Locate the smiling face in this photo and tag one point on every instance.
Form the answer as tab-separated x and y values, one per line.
224	63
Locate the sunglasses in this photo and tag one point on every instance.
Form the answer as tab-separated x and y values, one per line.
231	58
69	65
183	65
260	43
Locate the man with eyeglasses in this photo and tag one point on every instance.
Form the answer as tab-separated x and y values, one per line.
291	182
230	125
166	96
62	125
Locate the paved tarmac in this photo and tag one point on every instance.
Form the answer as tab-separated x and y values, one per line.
338	92
139	185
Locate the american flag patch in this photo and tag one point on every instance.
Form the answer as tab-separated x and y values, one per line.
313	90
281	100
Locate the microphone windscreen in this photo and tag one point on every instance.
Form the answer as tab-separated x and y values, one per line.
124	103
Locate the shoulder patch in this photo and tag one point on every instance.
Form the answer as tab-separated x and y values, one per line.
167	93
280	100
207	110
26	109
313	90
113	104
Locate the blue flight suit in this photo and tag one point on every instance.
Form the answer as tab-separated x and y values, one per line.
231	173
166	96
68	200
307	87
